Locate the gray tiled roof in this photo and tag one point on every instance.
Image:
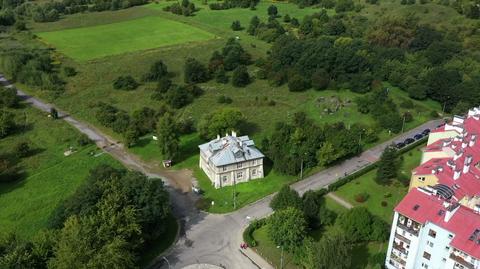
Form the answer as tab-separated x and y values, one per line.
230	149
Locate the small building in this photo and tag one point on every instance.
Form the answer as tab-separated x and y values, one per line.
231	160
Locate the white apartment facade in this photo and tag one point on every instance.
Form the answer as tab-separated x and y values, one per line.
437	224
231	160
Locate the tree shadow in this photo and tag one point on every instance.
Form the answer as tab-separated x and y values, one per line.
249	128
360	256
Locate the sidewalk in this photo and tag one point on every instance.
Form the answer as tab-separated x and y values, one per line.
253	256
340	200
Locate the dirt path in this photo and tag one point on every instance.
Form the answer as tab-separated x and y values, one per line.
340	200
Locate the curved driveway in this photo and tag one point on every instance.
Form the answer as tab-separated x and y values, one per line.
211	238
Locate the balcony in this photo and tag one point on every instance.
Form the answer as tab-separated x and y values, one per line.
402	238
461	261
397	259
408	229
400	248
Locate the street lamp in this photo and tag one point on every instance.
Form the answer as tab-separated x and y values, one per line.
281	257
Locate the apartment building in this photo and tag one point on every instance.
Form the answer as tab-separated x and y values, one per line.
437	224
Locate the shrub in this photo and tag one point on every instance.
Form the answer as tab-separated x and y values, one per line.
297	83
240	76
127	83
384	203
69	71
83	140
408	104
248	233
22	149
387	195
361	197
224	99
236	26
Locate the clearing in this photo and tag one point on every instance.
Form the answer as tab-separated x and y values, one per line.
88	43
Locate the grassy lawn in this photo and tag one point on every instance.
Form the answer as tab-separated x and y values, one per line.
49	176
362	254
88	43
392	194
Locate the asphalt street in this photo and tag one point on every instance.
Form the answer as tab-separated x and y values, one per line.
213	238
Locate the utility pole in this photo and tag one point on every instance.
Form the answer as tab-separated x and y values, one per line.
234	193
301	169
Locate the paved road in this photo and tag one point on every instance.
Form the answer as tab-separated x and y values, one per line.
210	238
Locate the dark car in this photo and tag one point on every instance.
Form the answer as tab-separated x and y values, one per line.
409	141
426	132
418	136
400	145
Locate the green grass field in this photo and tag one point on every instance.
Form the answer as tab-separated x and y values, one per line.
392	194
49	175
93	42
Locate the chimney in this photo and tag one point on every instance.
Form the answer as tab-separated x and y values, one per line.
469	159
476	116
450	212
473	139
234	134
218	137
434	171
456	174
464	144
447	142
458	154
466	168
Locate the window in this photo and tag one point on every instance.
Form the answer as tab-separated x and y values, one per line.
430	244
254	162
426	255
239	165
422	179
224	168
444	260
254	172
450	236
447	248
239	175
432	233
224	178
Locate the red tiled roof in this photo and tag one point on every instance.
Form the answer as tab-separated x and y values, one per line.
462	224
427	206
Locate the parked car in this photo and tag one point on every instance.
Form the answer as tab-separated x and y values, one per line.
400	145
418	136
426	132
409	141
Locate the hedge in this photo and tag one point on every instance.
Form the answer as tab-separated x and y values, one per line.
248	233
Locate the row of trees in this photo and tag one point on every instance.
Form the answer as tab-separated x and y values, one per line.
302	143
294	215
186	8
52	11
103	224
32	67
227	4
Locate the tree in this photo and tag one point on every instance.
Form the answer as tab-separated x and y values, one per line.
387	166
126	83
53	113
332	245
287	18
178	97
310	208
131	135
236	26
7	123
272	11
168	139
297	84
320	79
287	228
195	72
254	22
8	97
221	76
220	122
240	76
157	71
359	225
286	197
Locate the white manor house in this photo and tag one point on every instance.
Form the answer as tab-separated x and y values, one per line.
231	160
